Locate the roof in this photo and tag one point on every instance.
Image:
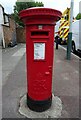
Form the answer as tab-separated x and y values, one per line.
1	6
3	10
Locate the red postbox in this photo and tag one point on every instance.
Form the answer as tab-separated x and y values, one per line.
40	24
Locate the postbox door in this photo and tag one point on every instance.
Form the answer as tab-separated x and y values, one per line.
40	62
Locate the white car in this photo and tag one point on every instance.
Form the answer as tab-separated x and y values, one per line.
76	36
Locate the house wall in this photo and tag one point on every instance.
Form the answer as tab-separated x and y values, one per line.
1	22
10	32
1	35
1	15
21	35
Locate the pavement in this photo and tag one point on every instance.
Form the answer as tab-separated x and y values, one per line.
65	81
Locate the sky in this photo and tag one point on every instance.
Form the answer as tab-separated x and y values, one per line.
55	4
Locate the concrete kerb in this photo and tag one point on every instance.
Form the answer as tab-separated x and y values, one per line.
53	112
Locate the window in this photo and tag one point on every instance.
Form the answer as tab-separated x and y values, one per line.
6	19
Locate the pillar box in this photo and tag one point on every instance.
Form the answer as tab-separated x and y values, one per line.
40	24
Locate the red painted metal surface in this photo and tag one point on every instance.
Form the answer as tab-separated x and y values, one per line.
40	24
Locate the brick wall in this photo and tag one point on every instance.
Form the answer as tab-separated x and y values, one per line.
21	35
9	32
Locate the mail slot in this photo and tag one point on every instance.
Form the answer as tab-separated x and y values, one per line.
39	33
40	24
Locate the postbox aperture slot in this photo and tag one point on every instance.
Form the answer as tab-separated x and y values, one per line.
40	33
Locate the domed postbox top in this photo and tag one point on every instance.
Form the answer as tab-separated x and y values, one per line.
40	15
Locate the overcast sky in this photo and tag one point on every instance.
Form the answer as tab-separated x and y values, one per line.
56	4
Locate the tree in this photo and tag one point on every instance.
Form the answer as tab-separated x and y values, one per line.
24	5
78	16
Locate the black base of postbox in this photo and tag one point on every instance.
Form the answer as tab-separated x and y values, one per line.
39	106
